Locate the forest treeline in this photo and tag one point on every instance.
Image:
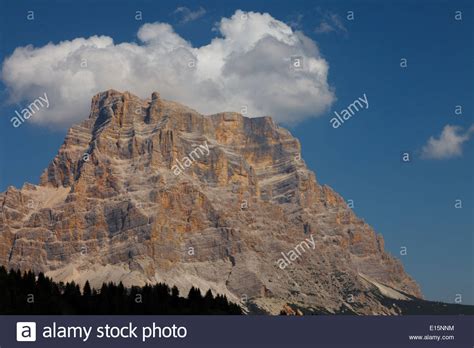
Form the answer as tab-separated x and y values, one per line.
27	293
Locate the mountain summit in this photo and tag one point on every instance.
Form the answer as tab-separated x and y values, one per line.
152	191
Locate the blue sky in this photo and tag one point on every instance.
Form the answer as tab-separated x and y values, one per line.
410	204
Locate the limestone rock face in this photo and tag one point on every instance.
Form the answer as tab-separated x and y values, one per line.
134	195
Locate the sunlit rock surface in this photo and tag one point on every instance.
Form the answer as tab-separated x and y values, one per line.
110	207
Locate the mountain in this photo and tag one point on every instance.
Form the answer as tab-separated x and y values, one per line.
148	191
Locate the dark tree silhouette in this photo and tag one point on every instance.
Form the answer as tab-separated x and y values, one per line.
29	294
87	292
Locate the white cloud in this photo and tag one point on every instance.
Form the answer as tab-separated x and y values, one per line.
247	65
295	20
187	15
448	145
331	22
324	27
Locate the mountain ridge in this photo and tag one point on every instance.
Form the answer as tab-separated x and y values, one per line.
110	208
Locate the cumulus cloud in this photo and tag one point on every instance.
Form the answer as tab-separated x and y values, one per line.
448	145
247	65
187	15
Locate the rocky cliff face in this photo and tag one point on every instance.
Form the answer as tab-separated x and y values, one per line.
150	190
